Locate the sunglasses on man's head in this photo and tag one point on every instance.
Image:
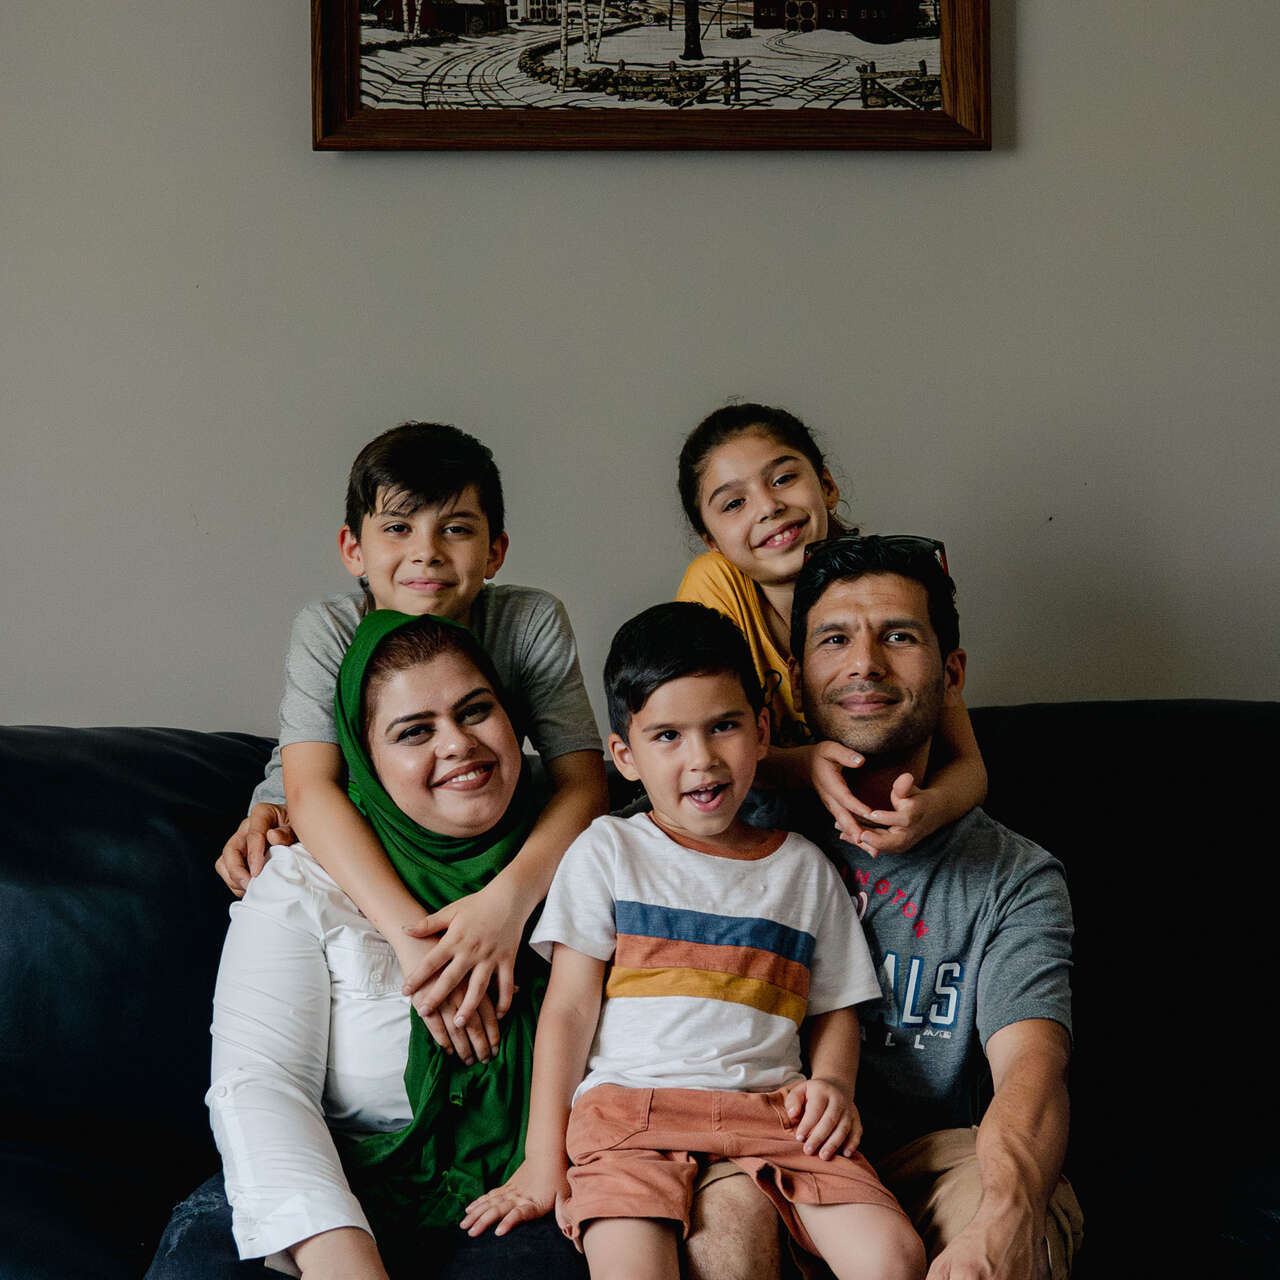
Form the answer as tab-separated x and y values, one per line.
908	542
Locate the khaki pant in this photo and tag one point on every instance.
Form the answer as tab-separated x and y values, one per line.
937	1181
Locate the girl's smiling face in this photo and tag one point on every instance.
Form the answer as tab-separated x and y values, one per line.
761	504
443	747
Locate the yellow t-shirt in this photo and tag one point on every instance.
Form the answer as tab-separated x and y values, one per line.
713	581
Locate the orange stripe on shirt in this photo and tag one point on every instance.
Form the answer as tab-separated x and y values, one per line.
636	952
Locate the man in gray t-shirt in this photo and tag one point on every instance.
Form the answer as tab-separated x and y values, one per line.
971	932
962	1085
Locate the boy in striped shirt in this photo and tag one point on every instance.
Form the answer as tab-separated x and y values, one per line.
697	962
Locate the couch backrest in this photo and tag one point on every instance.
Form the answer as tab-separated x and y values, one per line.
112	927
1160	813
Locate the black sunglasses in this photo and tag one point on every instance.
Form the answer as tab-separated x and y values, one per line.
909	542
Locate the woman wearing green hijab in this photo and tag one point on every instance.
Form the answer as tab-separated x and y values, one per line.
351	1142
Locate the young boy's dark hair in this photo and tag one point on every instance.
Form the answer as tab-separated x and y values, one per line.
423	464
667	642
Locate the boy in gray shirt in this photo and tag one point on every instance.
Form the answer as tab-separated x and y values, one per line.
423	533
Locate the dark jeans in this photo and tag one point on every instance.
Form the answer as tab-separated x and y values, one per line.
197	1245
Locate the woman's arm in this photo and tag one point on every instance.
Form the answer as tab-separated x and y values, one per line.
345	1253
566	1027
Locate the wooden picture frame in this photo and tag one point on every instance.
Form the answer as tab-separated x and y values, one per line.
949	109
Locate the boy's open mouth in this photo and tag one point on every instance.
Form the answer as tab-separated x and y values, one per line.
707	798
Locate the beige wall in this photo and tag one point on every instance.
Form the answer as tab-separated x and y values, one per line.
1060	356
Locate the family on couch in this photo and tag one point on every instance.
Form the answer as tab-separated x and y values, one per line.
376	1097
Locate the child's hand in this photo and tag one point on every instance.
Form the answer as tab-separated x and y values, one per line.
827	762
477	1038
825	1119
914	815
474	1036
246	853
479	937
533	1190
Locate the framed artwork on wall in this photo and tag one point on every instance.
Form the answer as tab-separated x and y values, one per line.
650	74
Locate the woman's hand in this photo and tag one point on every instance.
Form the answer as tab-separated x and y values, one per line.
825	1119
535	1188
479	937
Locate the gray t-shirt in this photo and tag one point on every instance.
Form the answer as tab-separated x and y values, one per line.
524	630
969	931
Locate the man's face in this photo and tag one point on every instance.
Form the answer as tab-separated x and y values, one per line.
872	676
426	559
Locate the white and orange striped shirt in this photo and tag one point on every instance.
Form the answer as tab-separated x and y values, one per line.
715	960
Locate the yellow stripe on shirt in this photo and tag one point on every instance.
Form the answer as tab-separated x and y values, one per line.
707	986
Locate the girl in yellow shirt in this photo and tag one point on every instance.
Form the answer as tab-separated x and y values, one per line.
757	490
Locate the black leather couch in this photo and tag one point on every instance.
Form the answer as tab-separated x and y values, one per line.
111	921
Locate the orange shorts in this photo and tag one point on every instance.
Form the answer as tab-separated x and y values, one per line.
636	1152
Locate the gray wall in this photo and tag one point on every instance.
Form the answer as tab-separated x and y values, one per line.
1060	356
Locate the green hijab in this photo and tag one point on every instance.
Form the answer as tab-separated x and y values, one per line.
468	1126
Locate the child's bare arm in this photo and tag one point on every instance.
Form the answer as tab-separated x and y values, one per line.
480	934
342	842
952	788
821	1107
566	1026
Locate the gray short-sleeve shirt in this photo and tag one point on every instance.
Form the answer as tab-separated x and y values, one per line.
970	931
525	631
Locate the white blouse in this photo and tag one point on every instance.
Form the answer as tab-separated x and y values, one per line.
310	1032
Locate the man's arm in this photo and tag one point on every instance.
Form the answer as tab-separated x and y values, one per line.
1022	1142
481	933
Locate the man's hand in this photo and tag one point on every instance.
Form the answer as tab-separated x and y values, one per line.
478	939
535	1188
246	853
825	1119
1021	1143
991	1249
